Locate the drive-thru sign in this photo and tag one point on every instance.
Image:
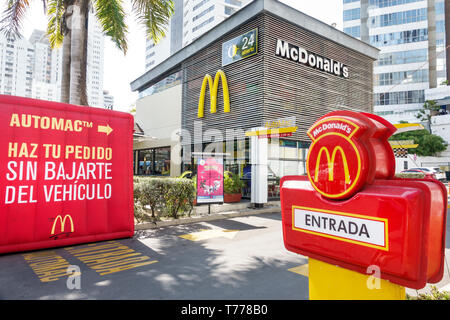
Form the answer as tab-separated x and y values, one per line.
65	174
352	212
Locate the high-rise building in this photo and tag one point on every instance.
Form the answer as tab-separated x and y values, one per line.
108	100
95	63
30	68
411	37
190	20
16	67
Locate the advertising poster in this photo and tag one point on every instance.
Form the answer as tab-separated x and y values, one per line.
210	180
65	174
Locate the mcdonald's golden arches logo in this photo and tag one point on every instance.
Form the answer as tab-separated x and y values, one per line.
330	161
213	92
62	224
334	163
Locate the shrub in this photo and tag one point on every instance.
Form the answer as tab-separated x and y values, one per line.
163	195
179	196
232	183
410	175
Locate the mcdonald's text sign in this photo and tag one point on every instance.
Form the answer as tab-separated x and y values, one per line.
65	174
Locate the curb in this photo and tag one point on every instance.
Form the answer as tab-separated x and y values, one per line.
211	217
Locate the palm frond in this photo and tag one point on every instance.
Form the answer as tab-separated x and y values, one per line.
55	14
11	21
155	15
111	16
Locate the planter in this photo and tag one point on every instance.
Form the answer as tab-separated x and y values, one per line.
232	197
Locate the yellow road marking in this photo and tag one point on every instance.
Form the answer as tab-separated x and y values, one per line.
205	234
302	270
47	265
109	257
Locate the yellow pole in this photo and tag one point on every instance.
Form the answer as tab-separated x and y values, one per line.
329	282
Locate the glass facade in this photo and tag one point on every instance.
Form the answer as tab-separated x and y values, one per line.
393	38
401	97
396	18
152	162
401	57
402	77
352	14
353	31
285	157
390	3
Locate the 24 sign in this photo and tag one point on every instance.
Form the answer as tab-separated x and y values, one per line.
241	47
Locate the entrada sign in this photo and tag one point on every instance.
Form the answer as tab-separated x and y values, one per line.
301	55
396	224
213	92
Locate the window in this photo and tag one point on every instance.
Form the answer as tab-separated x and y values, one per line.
402	57
229	11
396	18
390	3
353	31
154	161
204	23
352	14
393	38
440	8
200	4
203	13
402	77
349	1
401	97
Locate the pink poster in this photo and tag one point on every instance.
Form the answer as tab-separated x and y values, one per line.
210	180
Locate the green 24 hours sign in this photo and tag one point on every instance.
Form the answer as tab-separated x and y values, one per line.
241	47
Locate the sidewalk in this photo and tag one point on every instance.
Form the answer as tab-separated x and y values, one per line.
217	212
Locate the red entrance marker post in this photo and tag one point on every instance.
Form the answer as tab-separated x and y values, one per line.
367	234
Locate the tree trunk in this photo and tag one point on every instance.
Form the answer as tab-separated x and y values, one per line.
65	79
78	53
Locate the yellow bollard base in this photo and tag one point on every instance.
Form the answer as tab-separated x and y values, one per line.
329	282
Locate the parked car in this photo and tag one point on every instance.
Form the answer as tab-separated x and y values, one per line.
440	175
428	175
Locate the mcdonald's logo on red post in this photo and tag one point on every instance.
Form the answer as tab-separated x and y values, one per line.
335	160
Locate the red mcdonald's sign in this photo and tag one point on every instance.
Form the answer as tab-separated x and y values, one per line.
65	174
351	211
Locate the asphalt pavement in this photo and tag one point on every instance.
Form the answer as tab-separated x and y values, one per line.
229	259
239	258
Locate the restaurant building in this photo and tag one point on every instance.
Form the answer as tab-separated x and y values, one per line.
268	71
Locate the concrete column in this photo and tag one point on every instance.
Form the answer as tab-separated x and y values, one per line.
365	21
447	38
431	44
258	160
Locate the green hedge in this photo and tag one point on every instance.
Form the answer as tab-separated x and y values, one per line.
164	197
410	175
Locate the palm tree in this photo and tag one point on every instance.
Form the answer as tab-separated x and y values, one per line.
67	27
